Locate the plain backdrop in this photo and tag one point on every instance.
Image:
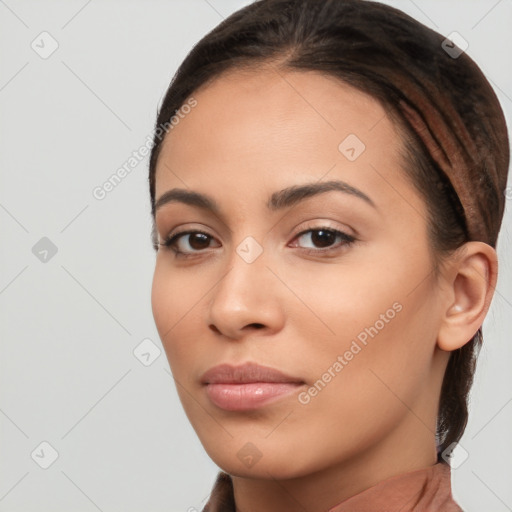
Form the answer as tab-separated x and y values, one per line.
80	84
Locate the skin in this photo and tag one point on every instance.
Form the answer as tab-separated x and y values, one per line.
251	134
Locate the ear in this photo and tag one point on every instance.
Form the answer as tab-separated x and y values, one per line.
470	280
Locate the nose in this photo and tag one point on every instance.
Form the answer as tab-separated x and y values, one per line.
248	298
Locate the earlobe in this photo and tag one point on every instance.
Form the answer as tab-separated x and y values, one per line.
472	280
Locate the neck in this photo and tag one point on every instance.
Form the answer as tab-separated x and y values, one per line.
322	490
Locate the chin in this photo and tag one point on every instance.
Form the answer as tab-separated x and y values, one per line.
254	460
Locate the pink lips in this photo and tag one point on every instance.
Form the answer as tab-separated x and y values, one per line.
246	387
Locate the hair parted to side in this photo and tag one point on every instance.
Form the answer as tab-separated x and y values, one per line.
353	40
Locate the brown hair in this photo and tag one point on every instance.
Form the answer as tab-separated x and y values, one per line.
354	40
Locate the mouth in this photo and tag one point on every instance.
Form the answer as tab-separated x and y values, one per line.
247	387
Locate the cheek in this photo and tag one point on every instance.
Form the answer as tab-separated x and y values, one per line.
381	349
172	300
339	301
161	301
178	304
372	315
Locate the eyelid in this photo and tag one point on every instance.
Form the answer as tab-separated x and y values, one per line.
318	224
169	220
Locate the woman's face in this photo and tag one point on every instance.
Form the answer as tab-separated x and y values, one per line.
352	316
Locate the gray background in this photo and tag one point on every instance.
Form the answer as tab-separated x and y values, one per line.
69	325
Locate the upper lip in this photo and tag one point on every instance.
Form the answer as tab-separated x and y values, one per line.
245	373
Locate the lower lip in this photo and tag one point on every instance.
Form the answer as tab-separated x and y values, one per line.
244	397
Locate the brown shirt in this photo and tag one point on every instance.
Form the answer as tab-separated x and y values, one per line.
424	490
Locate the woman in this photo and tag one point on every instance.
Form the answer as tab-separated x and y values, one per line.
327	185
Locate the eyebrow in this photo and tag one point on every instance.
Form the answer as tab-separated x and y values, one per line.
279	200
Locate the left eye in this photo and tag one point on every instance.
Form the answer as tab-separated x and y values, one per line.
325	237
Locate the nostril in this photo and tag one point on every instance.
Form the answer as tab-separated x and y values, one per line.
254	325
214	329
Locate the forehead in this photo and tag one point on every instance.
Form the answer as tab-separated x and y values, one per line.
270	126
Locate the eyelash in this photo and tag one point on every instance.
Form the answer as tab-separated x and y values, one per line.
348	240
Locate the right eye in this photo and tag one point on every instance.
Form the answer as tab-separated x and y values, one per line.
197	242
